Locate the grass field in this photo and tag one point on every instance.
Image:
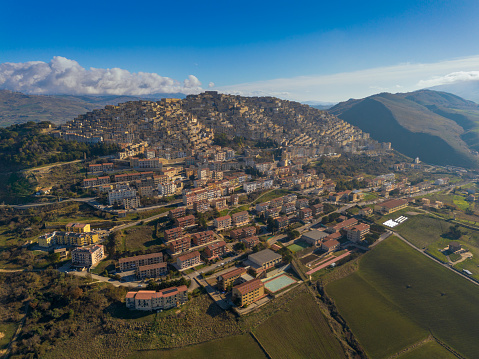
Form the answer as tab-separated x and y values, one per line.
276	193
396	284
6	332
428	350
139	238
425	231
300	332
235	347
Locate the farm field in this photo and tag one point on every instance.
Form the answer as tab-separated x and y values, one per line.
425	231
429	350
235	347
422	295
300	332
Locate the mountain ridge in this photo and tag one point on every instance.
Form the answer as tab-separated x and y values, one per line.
440	128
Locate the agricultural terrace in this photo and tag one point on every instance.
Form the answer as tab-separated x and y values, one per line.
300	331
420	298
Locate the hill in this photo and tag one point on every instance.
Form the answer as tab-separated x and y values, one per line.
438	127
16	107
466	89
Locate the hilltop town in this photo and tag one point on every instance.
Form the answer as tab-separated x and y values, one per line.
243	204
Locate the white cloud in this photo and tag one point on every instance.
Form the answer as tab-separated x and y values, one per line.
211	84
342	86
64	76
452	78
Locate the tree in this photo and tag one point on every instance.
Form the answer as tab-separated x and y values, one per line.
240	246
293	235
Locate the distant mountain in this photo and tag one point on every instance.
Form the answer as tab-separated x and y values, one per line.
320	105
465	89
16	107
439	127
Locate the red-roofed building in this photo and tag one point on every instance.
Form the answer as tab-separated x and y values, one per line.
344	225
358	232
152	270
250	242
180	244
222	222
248	292
392	206
201	238
215	250
185	221
330	245
173	233
228	279
151	300
188	260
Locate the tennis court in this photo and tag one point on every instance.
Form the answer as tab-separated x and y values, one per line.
278	283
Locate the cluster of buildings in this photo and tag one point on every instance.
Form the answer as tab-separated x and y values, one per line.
245	282
75	234
161	300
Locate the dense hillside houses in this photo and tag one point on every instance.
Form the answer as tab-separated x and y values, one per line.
172	128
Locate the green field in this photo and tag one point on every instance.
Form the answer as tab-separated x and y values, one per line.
396	284
428	350
426	231
298	246
6	332
235	347
139	238
300	332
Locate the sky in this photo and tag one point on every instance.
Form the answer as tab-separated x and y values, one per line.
303	50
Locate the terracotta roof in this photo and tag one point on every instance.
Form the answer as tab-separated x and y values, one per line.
249	286
233	273
143	256
331	243
223	218
394	203
152	266
190	255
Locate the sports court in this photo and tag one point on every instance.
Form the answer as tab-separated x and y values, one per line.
278	283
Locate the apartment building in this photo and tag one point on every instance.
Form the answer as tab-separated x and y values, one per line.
317	209
201	238
281	222
180	244
188	260
130	263
250	242
87	256
173	233
228	279
240	219
358	232
177	213
215	250
78	227
186	221
166	189
201	206
222	222
151	270
116	196
151	300
302	203
305	214
248	292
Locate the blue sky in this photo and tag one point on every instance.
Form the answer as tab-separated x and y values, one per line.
247	46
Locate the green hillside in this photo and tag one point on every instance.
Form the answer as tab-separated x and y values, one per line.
438	127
